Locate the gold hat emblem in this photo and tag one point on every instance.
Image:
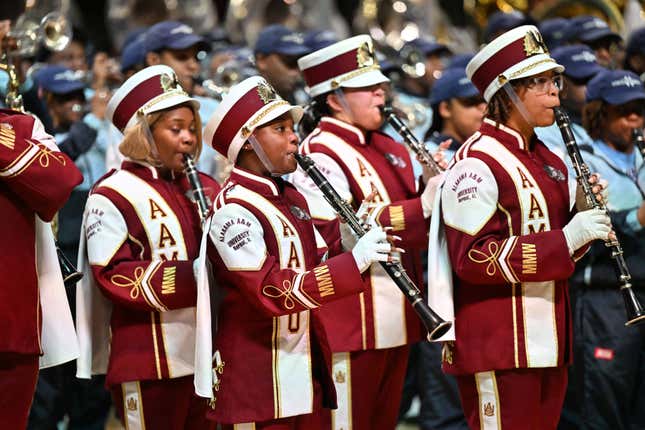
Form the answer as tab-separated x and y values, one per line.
339	377
131	404
534	44
489	410
266	92
168	82
365	55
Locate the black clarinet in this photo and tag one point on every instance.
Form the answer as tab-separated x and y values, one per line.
410	139
637	138
436	326
634	310
203	205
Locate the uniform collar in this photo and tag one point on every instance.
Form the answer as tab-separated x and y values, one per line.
346	131
148	171
261	184
507	135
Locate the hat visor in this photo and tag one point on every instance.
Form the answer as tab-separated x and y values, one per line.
599	33
294	50
188	40
367	79
584	71
66	88
622	97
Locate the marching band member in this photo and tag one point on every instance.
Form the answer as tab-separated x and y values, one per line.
36	180
369	333
512	244
142	235
270	261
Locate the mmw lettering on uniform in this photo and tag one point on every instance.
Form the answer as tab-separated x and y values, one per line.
155	209
323	278
529	259
397	218
168	280
7	137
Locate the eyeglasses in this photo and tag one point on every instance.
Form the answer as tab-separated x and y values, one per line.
471	101
542	84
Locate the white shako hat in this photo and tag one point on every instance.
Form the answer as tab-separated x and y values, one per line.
248	105
150	90
518	53
349	63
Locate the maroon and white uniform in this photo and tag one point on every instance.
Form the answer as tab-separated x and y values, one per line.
35	181
380	318
504	203
270	263
142	235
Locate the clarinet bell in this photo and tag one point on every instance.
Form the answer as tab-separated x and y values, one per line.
70	275
633	308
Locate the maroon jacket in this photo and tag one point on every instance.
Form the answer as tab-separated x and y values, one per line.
35	180
355	165
504	203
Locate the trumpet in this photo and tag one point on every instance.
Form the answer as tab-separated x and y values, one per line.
634	309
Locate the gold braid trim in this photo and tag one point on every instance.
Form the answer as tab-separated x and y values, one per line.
335	83
247	129
530	66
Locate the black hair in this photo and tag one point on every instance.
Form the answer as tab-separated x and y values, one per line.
314	110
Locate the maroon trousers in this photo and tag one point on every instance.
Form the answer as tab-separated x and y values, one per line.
522	399
369	385
18	376
167	404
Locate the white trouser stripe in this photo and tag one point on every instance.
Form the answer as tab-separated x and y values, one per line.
489	407
133	406
341	418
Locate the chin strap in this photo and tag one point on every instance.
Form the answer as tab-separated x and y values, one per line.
154	152
261	154
343	102
510	91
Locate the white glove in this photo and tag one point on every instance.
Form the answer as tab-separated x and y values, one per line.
429	192
586	226
373	246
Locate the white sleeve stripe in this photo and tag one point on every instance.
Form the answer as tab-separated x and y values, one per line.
147	289
501	259
297	283
21	162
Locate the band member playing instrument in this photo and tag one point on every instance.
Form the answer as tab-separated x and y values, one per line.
276	270
512	243
369	333
142	236
35	181
608	354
